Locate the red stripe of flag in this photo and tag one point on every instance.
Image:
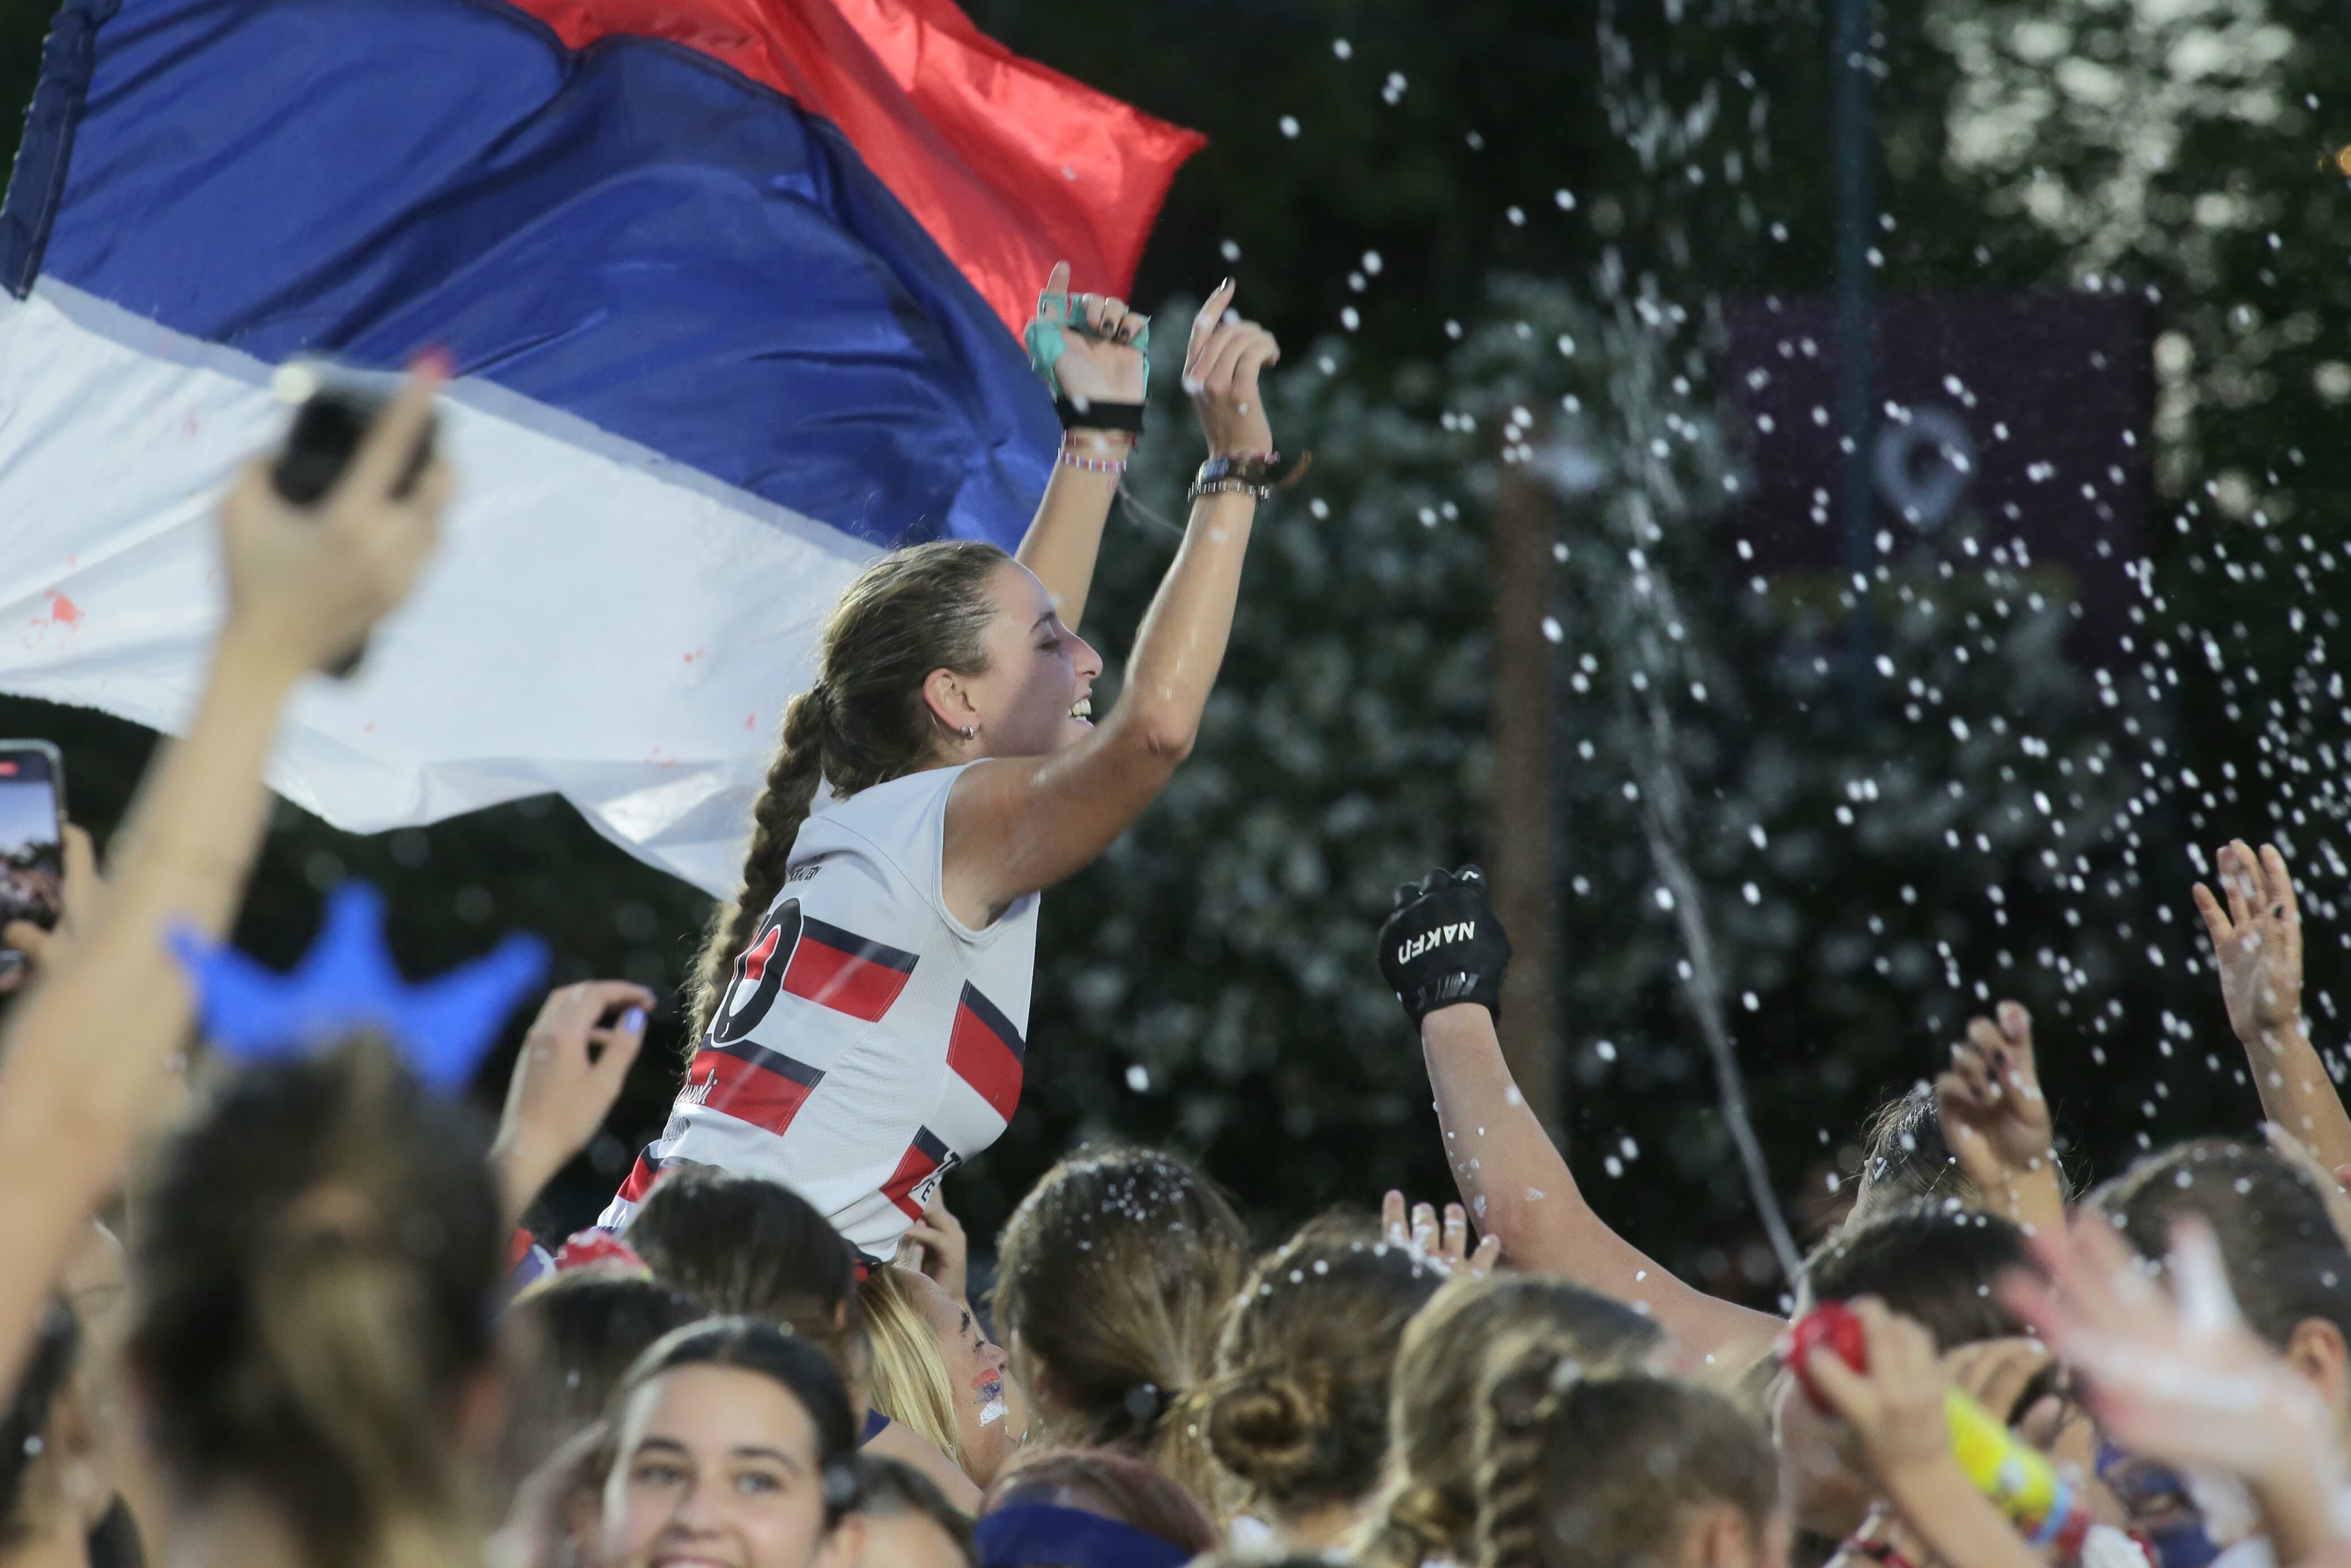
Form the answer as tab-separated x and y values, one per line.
1008	165
841	970
986	1051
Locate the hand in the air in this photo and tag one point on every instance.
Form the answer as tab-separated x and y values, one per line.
1994	1116
1442	944
2175	1376
1100	353
2256	940
1448	1249
935	1245
1221	365
305	583
568	1073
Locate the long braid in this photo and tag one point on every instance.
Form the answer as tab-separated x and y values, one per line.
1412	1526
864	723
783	806
1530	1384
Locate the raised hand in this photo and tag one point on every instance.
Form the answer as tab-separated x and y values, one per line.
45	946
1442	944
1446	1249
305	583
565	1080
1221	365
1099	355
2257	948
2256	940
2179	1378
1995	1118
935	1245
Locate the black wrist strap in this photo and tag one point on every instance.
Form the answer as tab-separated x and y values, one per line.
1099	415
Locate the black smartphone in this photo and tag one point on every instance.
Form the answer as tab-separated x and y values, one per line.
333	411
32	839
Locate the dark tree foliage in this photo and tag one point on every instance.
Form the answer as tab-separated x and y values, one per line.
1423	200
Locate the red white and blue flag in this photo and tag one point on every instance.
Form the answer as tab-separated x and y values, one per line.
733	290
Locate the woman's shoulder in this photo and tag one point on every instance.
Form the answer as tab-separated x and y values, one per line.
893	815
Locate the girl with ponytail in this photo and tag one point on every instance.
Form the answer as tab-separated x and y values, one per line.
315	1279
1579	1469
1428	1510
1298	1410
861	1007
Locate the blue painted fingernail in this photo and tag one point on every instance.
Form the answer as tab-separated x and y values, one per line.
633	1021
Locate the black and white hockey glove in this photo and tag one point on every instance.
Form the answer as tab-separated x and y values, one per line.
1442	944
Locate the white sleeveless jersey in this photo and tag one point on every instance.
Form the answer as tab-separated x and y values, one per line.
869	1041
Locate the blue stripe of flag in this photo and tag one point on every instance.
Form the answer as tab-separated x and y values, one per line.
633	235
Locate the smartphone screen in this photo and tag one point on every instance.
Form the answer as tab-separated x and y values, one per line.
32	847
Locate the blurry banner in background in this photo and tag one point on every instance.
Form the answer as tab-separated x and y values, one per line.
733	288
2017	423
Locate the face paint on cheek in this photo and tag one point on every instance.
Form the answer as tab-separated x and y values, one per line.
988	1393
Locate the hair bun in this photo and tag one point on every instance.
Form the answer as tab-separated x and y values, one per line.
1266	1426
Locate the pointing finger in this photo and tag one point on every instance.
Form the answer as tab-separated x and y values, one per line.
1053	303
1212	310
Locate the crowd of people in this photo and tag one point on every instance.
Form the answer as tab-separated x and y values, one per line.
269	1301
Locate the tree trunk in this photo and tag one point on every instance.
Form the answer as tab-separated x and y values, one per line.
1519	834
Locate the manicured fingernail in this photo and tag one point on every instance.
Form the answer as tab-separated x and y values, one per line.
436	361
633	1021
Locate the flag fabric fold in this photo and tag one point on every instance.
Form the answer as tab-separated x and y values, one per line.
732	287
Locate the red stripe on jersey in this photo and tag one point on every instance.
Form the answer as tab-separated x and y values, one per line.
641	1178
986	1051
921	1159
755	962
843	971
750	1084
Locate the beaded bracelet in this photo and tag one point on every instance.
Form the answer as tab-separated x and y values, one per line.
1071	458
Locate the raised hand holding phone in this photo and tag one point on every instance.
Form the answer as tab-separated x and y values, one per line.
309	580
32	852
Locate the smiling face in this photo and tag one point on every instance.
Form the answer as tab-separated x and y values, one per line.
1035	696
717	1467
991	1413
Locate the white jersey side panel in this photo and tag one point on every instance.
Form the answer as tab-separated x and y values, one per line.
869	1041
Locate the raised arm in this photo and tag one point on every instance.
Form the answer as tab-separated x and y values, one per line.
2257	948
1444	953
1090	350
1018	824
1996	1120
86	1053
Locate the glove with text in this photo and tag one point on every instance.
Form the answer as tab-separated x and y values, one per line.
1442	944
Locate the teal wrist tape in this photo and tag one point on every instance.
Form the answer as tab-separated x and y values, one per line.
1045	337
